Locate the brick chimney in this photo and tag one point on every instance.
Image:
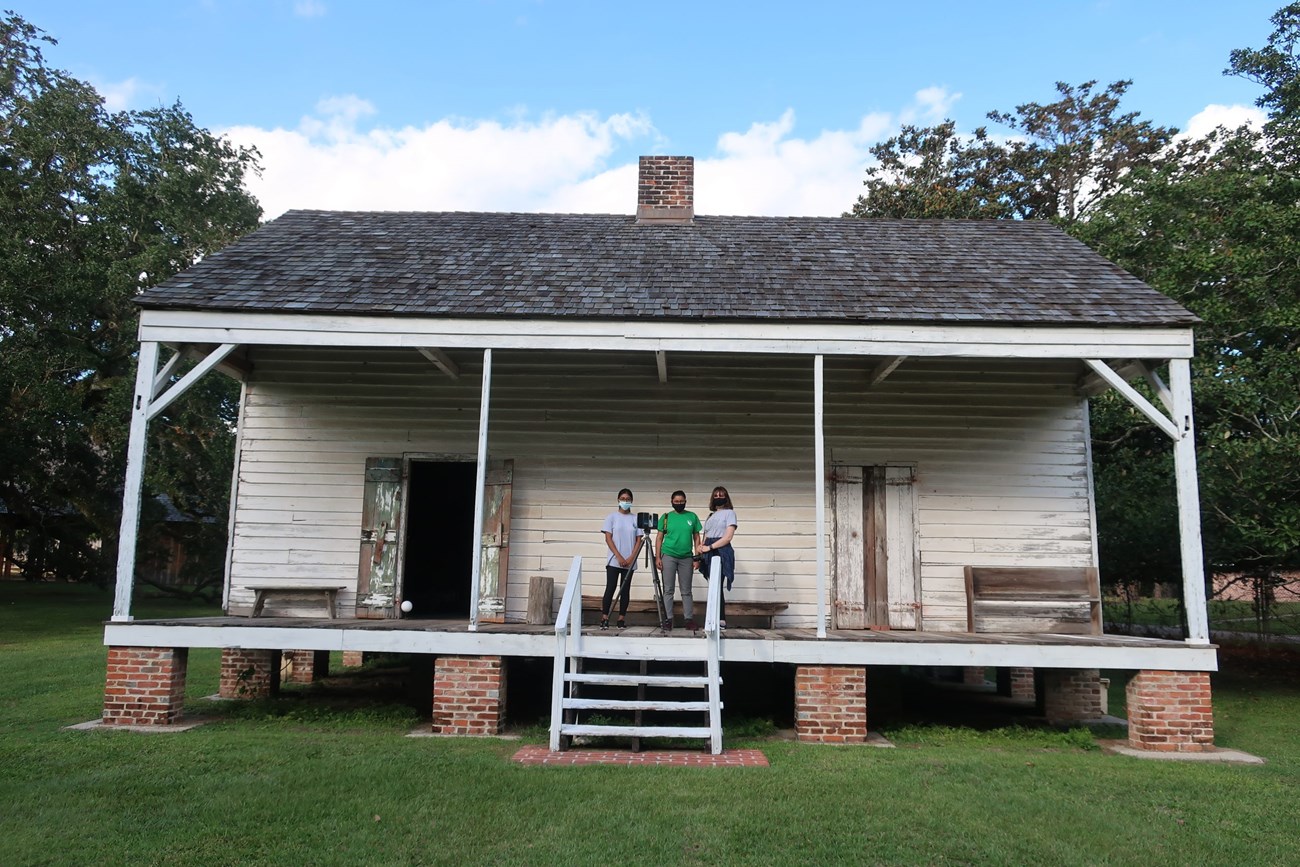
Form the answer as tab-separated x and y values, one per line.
665	193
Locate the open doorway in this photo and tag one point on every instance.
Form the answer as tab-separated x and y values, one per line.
436	572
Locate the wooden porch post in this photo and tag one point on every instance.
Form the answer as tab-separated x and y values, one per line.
234	499
480	479
146	368
819	490
1189	503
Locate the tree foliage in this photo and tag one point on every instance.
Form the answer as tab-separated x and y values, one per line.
1276	68
1215	224
94	207
933	172
1060	160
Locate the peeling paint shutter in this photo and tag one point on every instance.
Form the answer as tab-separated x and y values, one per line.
876	567
877	556
381	513
850	549
495	545
901	548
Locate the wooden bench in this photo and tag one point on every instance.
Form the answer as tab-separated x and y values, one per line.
1063	600
764	611
264	587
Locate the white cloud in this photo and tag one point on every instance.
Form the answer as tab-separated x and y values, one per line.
121	95
1230	116
767	171
556	163
327	162
932	105
308	8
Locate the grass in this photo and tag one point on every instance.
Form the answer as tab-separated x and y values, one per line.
316	779
1229	615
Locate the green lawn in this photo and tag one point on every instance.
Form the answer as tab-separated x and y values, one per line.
1225	615
303	781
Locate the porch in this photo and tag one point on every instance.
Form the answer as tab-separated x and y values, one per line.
1168	699
793	645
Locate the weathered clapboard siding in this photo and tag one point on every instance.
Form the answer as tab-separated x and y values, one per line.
997	445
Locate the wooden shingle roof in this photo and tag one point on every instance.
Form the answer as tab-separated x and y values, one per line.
720	268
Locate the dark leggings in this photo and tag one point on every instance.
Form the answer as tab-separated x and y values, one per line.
728	556
612	574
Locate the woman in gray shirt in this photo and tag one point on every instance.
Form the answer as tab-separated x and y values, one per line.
623	538
719	528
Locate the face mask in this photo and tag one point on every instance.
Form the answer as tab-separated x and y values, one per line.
679	507
719	502
626	507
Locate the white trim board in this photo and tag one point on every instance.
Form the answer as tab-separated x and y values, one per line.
1163	656
928	340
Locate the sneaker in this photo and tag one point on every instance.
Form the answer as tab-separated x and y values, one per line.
622	624
722	626
666	626
690	624
604	623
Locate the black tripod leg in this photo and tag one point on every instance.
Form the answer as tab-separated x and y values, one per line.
658	587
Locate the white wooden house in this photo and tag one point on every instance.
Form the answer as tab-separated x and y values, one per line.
438	407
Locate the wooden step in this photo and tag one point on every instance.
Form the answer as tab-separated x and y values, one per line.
637	731
634	679
696	650
633	704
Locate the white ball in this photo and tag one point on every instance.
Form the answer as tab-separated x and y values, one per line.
407	606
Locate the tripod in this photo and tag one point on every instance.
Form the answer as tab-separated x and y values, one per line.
646	523
649	523
665	611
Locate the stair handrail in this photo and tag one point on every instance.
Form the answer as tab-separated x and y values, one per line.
570	613
713	640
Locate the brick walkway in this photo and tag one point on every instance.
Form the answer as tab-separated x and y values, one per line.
728	758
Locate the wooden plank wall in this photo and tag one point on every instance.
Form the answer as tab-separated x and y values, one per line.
998	447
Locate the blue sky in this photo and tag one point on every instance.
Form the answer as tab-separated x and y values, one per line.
545	105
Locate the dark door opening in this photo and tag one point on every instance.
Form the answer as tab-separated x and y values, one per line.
439	551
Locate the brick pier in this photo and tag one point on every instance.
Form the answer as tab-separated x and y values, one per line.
469	695
249	674
1170	711
831	704
145	686
1072	695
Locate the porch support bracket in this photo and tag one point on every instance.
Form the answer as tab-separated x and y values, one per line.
441	360
169	368
480	479
149	400
1131	394
882	370
165	399
1158	386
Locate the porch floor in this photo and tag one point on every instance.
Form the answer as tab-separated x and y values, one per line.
739	644
455	625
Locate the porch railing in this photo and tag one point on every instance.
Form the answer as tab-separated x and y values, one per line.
712	638
569	618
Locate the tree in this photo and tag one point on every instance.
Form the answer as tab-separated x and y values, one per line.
928	172
1213	223
1276	68
1216	228
94	207
1061	161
